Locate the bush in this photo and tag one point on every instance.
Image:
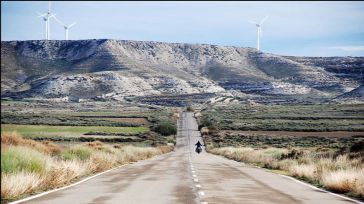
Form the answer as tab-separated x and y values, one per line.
13	185
190	109
344	181
12	138
357	147
13	160
165	128
81	153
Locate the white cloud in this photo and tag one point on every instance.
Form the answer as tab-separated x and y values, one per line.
349	48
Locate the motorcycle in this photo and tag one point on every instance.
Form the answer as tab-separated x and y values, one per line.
198	150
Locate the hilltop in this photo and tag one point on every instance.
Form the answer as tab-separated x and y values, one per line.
119	69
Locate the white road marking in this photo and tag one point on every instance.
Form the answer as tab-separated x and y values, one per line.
198	186
204	202
194	175
195	180
193	172
201	193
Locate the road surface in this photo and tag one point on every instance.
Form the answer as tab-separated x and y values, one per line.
184	176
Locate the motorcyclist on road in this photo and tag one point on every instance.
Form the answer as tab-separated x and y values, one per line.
198	148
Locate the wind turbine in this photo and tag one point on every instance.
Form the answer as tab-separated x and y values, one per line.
66	27
46	17
259	30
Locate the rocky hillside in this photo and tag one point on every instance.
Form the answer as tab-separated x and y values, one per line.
94	69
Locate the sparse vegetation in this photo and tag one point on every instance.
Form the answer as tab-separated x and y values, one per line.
311	118
258	139
88	122
67	120
293	139
28	166
47	130
340	173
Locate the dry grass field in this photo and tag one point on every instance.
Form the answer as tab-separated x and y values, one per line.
28	166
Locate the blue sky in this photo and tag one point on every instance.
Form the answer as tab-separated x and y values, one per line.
293	28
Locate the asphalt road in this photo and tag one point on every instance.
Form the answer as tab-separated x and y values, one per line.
184	176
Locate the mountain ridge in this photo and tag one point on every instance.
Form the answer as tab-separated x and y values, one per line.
121	68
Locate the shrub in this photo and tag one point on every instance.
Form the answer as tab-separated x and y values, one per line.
165	128
16	159
51	147
305	171
357	147
101	161
165	149
12	138
344	181
59	172
207	122
79	152
190	109
116	146
13	185
204	131
276	153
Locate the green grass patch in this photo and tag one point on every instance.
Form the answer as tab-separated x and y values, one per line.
13	160
79	152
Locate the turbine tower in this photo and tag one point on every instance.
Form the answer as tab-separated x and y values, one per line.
259	30
46	17
66	27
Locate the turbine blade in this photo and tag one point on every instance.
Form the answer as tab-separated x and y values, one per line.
264	19
59	21
72	24
253	22
41	15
